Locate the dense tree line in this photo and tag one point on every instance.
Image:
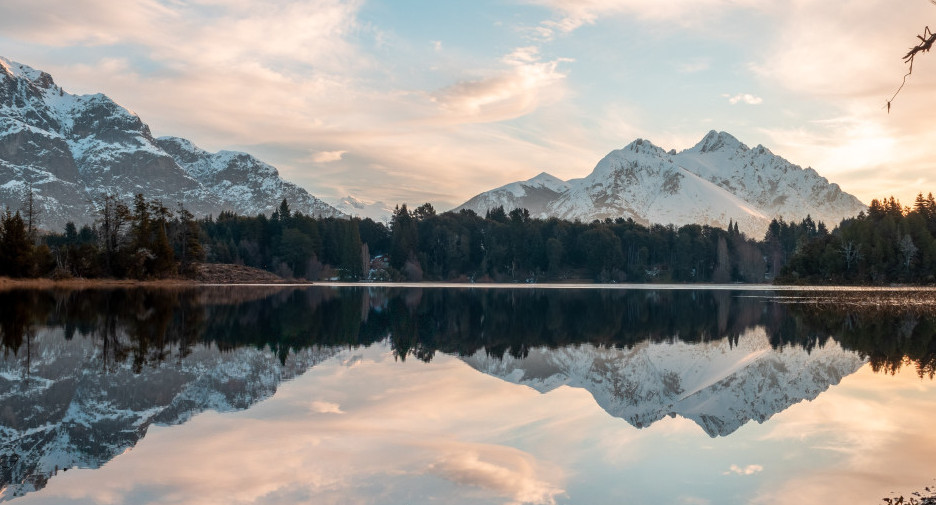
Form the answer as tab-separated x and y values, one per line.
888	244
145	240
513	246
292	244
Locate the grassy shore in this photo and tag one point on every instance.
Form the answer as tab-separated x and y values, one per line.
204	273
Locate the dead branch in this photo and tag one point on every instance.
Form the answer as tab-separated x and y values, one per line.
926	43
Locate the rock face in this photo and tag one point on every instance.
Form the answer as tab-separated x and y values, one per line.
718	180
721	385
72	150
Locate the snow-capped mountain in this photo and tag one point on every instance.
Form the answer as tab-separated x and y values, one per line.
243	183
77	406
534	194
716	181
721	385
377	211
74	149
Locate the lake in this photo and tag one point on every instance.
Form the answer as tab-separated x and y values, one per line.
461	395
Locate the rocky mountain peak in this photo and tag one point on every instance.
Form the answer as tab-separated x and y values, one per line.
718	141
643	146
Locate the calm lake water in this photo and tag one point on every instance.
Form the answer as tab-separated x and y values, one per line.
375	395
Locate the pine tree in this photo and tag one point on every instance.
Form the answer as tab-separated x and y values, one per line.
16	250
31	213
404	237
190	248
163	260
113	219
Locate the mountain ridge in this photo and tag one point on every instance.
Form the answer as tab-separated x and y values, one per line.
717	181
71	150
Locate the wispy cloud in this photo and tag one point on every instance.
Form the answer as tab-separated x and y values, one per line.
514	477
746	470
327	156
520	88
573	14
745	98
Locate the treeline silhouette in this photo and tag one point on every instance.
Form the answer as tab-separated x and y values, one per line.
887	244
148	240
145	240
146	327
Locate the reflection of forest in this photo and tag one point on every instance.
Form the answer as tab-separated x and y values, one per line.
147	325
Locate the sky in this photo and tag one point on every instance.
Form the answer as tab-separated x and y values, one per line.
406	101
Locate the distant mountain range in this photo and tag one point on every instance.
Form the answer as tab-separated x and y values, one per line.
380	212
718	180
74	149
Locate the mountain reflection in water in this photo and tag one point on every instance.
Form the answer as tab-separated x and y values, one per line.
84	374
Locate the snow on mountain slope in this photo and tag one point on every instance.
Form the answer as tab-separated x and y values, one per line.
74	149
767	181
718	384
377	211
716	181
243	183
642	182
532	194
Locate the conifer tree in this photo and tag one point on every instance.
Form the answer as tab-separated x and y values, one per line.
15	247
189	243
405	237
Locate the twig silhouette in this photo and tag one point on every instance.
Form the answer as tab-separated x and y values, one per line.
926	43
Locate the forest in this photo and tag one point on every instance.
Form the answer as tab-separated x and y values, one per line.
147	240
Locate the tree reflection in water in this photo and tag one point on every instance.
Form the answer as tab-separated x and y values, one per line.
150	326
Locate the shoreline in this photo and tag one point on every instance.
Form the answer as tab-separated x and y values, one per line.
85	283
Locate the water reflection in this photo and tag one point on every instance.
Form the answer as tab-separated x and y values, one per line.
85	374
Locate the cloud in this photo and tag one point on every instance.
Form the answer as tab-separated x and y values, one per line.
89	22
327	156
514	477
518	90
326	407
747	470
573	14
744	98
